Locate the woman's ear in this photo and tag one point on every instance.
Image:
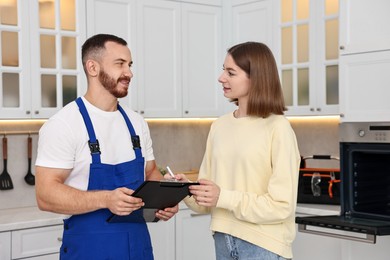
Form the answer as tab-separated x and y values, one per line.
92	68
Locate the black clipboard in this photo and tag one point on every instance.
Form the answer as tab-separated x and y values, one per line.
156	195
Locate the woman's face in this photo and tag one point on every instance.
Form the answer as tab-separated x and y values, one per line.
234	80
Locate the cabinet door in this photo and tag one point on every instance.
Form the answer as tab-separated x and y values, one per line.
15	81
162	234
5	245
117	17
57	31
309	247
202	59
159	65
364	26
36	241
365	92
352	250
41	47
194	240
253	22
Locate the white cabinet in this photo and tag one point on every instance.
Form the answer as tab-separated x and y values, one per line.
309	247
365	91
362	251
41	67
364	26
308	55
179	46
364	61
116	17
162	235
5	245
194	240
34	242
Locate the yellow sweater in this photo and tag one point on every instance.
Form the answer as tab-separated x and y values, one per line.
255	162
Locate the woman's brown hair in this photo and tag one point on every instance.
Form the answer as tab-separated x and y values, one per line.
265	92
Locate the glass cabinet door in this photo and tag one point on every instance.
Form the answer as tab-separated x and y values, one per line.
40	42
14	63
57	70
309	56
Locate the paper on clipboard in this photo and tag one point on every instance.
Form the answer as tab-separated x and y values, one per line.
156	195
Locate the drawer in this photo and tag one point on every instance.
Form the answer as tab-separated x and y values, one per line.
36	241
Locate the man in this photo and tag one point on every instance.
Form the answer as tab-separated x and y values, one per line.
92	155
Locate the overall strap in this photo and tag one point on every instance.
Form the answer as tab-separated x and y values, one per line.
134	137
93	143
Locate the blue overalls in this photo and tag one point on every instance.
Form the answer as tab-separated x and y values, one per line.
90	236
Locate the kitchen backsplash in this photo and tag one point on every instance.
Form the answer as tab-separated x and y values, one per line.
177	143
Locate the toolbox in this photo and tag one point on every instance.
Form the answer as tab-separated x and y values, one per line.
319	185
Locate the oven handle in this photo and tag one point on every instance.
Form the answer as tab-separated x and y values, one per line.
368	239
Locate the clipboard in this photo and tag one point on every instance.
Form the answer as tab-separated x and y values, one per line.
156	195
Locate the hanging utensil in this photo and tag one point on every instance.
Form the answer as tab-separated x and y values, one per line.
5	178
29	178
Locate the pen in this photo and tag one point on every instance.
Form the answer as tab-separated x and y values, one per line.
170	172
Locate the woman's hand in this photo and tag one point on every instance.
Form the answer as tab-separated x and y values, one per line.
205	194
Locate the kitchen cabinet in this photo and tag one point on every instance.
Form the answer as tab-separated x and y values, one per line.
358	35
41	69
179	46
162	235
116	17
5	245
308	55
362	251
364	94
364	61
33	243
194	240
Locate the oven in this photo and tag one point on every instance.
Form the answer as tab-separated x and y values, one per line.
365	186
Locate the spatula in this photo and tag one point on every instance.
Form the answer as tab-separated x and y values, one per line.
5	178
29	178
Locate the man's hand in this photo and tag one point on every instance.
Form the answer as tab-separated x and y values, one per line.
121	203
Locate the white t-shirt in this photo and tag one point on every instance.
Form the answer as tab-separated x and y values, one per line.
63	141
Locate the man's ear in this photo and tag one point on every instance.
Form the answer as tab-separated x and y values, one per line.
92	68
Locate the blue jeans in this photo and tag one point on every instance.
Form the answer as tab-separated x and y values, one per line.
228	247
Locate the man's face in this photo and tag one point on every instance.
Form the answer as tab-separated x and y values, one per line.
115	70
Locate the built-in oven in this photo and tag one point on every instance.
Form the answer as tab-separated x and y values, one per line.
365	186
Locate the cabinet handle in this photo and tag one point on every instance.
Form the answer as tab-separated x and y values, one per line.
59	239
342	47
312	109
36	112
318	109
28	112
186	112
341	115
142	112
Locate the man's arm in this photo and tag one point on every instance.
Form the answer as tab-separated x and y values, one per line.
54	195
152	172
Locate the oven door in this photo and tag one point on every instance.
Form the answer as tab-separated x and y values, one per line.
365	195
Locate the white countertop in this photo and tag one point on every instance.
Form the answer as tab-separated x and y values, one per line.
32	217
29	217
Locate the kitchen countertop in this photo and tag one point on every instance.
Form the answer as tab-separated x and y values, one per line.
28	217
32	217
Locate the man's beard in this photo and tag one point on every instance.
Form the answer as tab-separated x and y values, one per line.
110	84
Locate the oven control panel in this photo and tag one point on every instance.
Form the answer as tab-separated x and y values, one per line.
365	132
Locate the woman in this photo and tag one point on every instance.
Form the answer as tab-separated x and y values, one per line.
249	173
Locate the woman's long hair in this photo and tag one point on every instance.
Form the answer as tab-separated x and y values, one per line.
265	92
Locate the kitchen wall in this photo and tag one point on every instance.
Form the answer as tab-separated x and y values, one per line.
177	143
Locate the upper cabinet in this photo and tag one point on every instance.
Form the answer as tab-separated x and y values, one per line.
41	67
364	61
176	48
364	26
308	43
